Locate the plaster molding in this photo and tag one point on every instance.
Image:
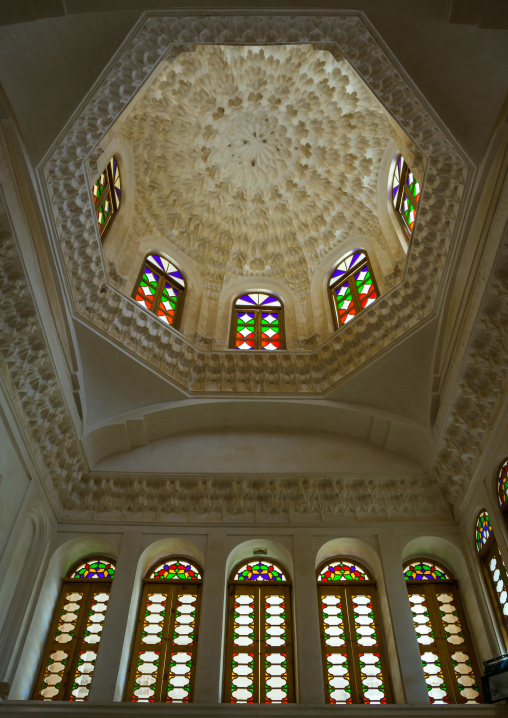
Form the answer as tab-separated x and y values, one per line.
216	498
108	311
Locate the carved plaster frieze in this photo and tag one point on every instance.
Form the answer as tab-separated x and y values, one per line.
312	371
480	387
217	497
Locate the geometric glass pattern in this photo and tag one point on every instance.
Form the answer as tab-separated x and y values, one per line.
257	322
494	570
107	195
177	570
352	287
483	530
259	571
160	288
425	571
71	650
259	660
354	660
449	664
502	486
405	194
164	655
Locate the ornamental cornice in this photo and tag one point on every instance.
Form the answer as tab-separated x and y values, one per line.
256	497
99	304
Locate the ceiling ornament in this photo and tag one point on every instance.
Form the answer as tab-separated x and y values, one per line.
103	307
257	160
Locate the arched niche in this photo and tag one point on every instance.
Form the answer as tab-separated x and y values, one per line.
275	551
367	555
62	559
447	553
219	317
155	551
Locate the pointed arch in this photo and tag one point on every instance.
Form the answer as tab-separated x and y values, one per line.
351	287
163	660
354	656
259	651
448	658
68	663
160	288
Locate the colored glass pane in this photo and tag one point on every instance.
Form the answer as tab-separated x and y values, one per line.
275	639
176	571
483	530
257	299
365	287
346	265
499	581
342	571
147	288
405	193
80	687
259	571
167	304
270	338
94	569
161	288
245	330
106	194
424	570
168	268
396	180
115	175
345	305
502	486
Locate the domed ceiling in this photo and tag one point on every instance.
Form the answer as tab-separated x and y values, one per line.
256	161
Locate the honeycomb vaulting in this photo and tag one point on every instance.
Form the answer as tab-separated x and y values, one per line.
257	160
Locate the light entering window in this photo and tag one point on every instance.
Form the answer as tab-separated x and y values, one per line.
352	287
405	194
258	322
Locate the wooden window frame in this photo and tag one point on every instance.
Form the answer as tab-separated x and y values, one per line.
171	589
485	555
86	586
354	292
258	311
263	588
401	193
108	190
163	277
503	507
344	590
428	587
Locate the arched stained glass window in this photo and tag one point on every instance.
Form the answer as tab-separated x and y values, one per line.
107	195
258	322
161	288
494	570
448	660
259	656
354	658
352	287
71	649
164	655
502	488
405	194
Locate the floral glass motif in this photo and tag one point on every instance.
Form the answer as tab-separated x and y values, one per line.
405	193
94	569
342	571
258	322
352	287
451	673
160	288
165	646
259	571
483	530
107	194
71	651
177	571
502	485
424	570
259	662
354	660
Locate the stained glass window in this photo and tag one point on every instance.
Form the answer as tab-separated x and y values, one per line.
354	658
164	656
502	487
258	322
71	651
107	195
448	660
494	570
259	661
352	287
160	288
405	194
